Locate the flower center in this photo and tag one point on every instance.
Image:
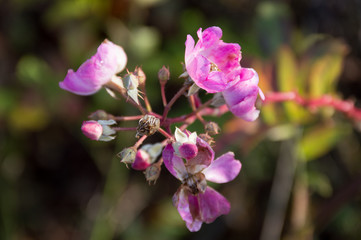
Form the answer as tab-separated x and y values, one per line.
196	183
214	68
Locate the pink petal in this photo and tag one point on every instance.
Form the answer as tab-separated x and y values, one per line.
209	37
216	82
96	71
189	47
187	206
82	82
194	226
249	116
112	56
241	97
226	56
212	204
173	163
198	68
223	169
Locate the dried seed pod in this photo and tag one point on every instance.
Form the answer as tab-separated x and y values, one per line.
152	172
148	125
212	128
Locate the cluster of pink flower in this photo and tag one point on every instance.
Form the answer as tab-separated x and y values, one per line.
210	64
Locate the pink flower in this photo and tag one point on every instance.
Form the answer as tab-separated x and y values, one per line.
109	60
242	94
195	201
211	61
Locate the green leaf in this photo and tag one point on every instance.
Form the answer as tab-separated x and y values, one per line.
326	69
320	139
287	73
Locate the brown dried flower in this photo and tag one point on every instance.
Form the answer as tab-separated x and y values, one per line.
148	125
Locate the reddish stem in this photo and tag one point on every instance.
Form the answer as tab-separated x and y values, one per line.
347	107
162	90
202	110
164	133
124	129
139	142
194	108
126	118
172	101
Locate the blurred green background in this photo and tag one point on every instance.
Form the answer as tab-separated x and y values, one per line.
301	175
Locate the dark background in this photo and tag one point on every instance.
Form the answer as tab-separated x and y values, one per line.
57	184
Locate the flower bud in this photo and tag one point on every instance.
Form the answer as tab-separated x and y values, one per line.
185	144
188	150
141	76
163	75
152	172
92	129
142	160
147	155
127	156
148	125
98	130
99	115
212	128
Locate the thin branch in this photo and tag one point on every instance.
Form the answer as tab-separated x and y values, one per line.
172	101
139	142
124	129
126	118
164	133
164	98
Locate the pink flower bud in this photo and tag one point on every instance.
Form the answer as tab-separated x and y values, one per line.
142	160
98	130
92	129
109	60
188	150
